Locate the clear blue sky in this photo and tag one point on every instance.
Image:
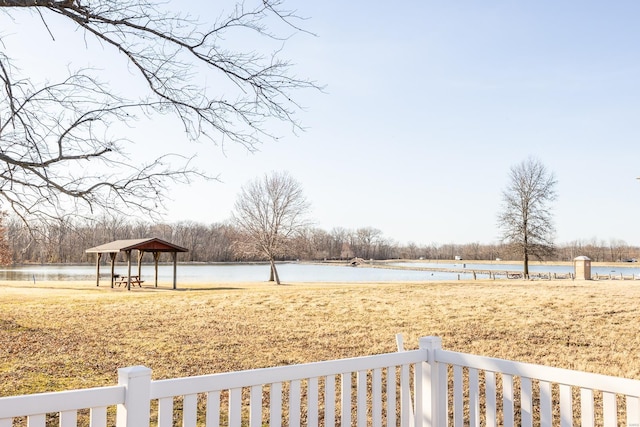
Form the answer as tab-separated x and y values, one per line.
429	103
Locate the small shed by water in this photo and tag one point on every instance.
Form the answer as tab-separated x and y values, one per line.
153	245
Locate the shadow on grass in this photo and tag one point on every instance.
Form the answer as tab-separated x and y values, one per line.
60	286
179	289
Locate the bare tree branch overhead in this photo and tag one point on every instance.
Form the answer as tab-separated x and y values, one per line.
60	149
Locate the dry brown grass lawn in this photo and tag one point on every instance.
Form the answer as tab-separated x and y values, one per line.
72	335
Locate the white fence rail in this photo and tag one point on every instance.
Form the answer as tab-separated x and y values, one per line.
64	403
372	390
483	391
428	387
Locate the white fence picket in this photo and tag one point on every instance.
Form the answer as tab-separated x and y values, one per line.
419	394
474	398
98	416
312	402
190	410
68	419
330	401
566	406
345	395
376	397
405	396
587	414
458	396
442	391
546	402
235	407
609	410
391	396
255	407
633	411
507	399
165	412
361	399
295	411
37	420
490	398
213	409
526	402
275	399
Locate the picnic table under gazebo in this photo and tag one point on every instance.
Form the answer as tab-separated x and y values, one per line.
153	245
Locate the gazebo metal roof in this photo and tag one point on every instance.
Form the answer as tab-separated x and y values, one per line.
146	245
154	245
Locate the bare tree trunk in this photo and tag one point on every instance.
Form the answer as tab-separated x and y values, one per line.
274	272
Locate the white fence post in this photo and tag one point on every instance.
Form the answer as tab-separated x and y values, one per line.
134	412
432	406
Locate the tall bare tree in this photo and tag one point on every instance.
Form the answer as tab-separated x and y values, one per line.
526	219
60	151
269	211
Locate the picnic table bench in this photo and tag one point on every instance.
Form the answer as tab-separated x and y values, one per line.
122	280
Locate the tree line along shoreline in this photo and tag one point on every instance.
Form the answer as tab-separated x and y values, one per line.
218	242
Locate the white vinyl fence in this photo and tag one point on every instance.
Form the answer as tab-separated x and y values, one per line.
427	387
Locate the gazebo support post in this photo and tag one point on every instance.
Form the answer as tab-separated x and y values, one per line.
98	268
128	269
140	255
156	257
112	255
174	255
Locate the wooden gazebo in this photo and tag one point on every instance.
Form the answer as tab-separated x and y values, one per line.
153	245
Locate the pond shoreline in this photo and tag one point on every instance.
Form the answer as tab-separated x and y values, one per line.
324	271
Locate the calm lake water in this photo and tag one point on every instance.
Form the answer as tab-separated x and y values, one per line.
289	272
205	273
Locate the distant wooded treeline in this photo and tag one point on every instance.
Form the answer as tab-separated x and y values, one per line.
216	243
